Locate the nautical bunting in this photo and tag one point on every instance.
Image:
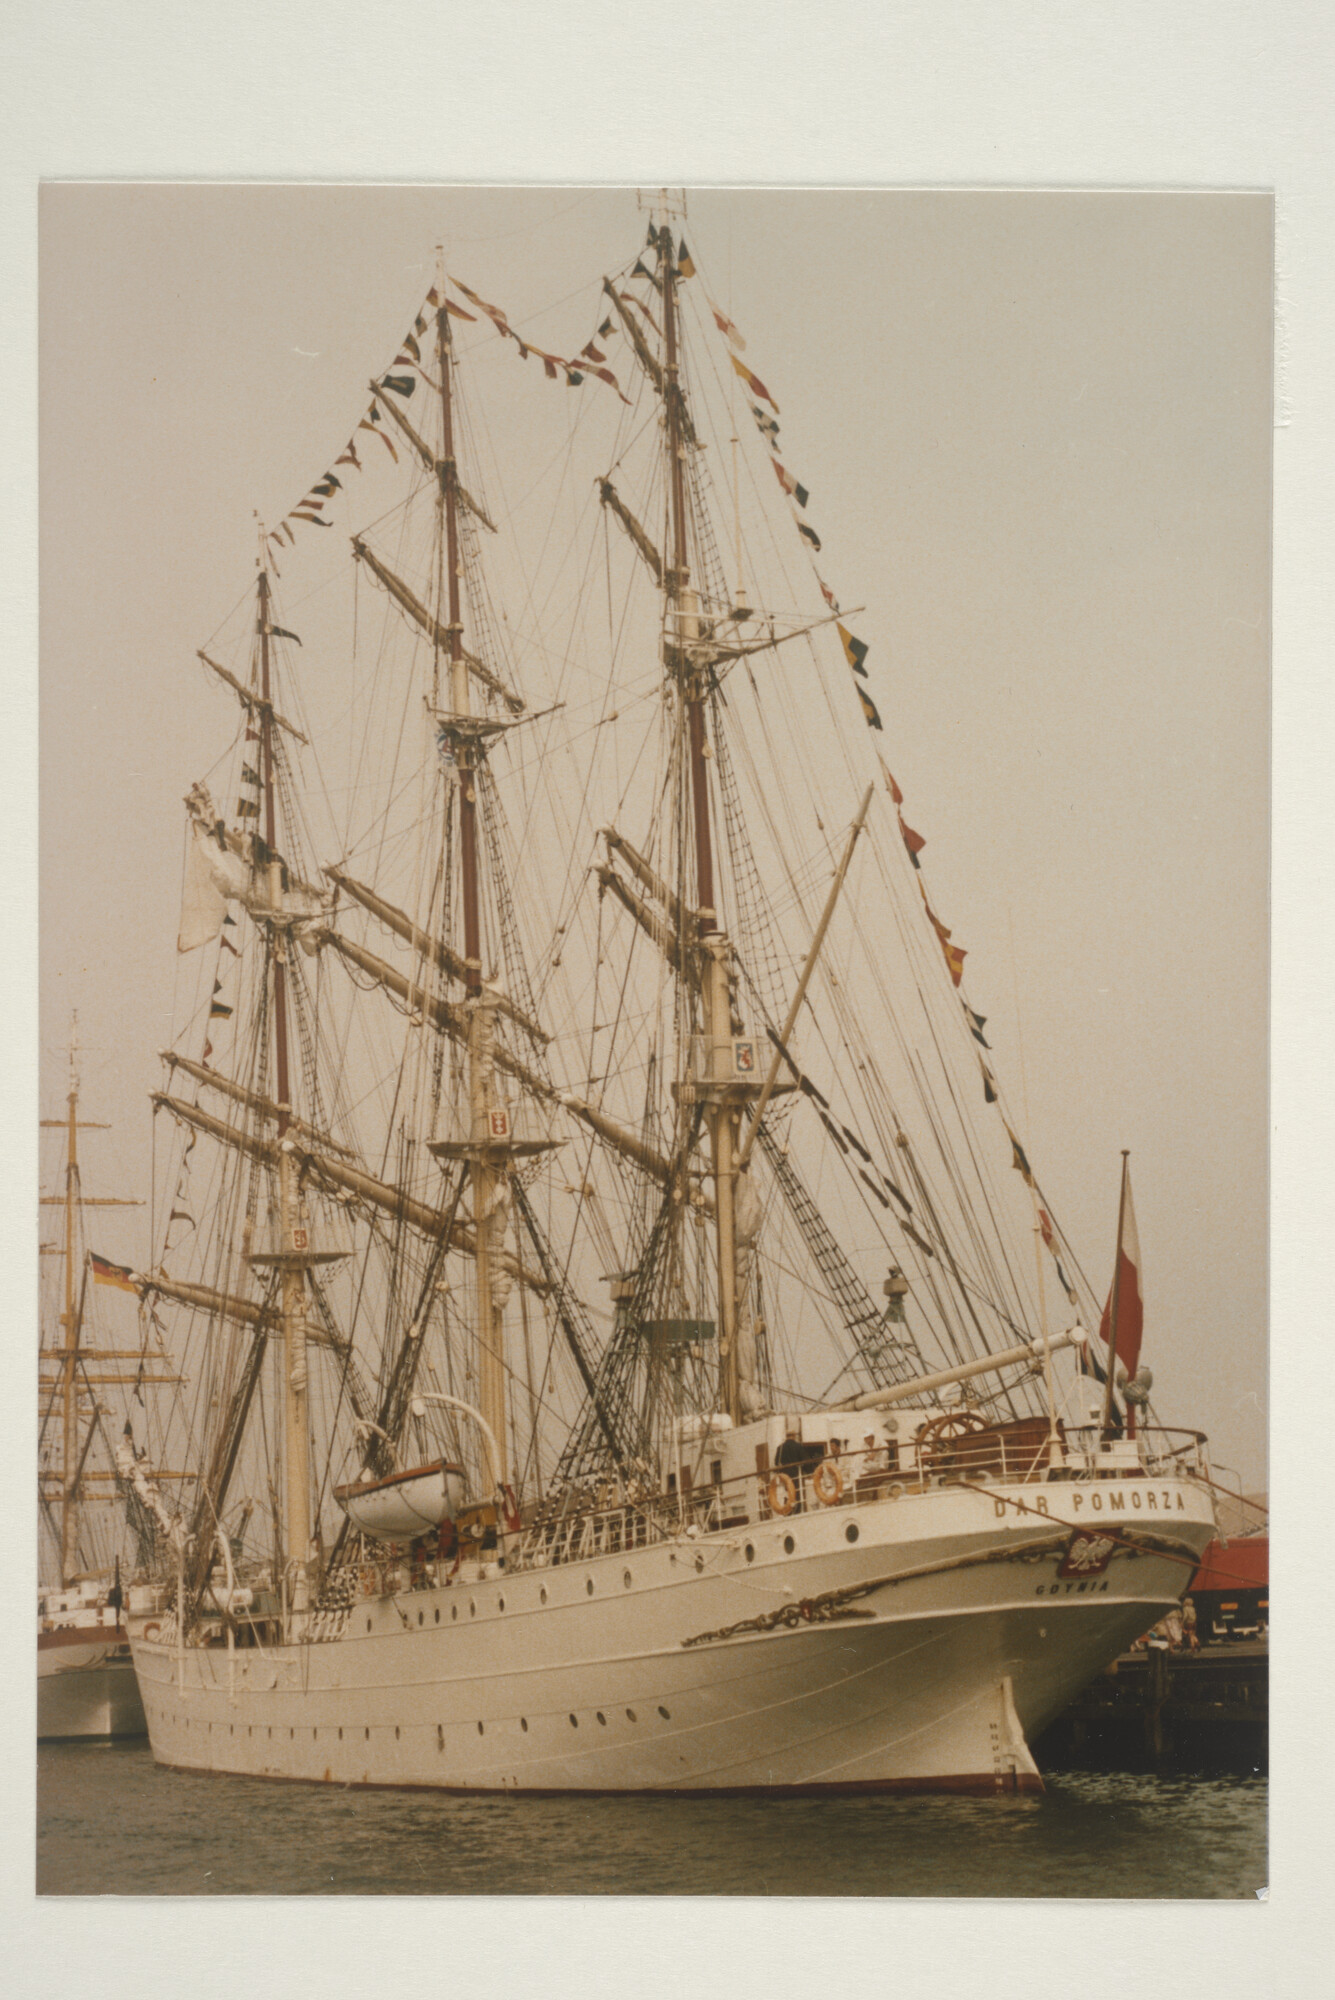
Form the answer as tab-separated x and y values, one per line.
955	957
554	365
754	383
890	784
1019	1160
869	709
977	1022
1046	1231
914	842
989	1083
685	267
854	650
727	327
789	484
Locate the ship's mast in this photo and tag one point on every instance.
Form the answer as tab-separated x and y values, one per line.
291	1244
468	746
69	1412
691	665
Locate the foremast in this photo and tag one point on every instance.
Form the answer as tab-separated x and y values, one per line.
484	1148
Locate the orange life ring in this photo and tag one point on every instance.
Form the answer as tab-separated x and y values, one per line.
150	1632
827	1483
781	1493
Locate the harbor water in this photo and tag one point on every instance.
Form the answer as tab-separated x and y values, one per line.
110	1822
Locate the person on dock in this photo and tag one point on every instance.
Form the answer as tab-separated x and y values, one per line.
1189	1626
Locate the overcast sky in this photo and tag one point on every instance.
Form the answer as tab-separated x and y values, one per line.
1036	430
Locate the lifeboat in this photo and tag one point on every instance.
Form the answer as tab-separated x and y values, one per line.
404	1505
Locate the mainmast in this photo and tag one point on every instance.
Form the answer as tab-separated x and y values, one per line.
691	663
293	1243
467	736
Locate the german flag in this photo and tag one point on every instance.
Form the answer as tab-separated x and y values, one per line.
105	1273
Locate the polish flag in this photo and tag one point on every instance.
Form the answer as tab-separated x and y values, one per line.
1130	1295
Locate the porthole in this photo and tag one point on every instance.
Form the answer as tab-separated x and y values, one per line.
472	1608
396	1732
231	1729
589	1586
454	1611
523	1724
666	1717
851	1532
602	1718
368	1624
340	1735
437	1614
542	1595
440	1736
367	1734
421	1617
699	1563
291	1735
480	1730
788	1545
625	1578
315	1736
574	1722
500	1604
749	1553
630	1715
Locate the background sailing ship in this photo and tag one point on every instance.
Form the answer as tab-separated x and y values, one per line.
685	1371
87	1385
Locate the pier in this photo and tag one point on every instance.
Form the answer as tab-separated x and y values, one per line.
1167	1712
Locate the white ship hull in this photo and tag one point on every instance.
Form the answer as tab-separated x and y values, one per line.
577	1677
86	1689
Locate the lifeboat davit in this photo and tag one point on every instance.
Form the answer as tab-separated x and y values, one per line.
404	1505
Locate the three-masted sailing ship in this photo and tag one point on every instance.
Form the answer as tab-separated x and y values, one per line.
85	1676
618	1324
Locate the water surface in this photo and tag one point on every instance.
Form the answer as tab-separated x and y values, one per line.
111	1822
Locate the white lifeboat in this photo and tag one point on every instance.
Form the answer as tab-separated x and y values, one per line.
404	1504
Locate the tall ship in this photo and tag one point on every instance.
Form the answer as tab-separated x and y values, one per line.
624	1341
85	1676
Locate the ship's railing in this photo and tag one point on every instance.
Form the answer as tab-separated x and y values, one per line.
618	1519
610	1523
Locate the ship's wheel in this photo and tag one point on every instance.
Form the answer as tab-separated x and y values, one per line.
937	1438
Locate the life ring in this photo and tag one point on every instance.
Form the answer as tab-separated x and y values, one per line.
827	1483
781	1493
150	1632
